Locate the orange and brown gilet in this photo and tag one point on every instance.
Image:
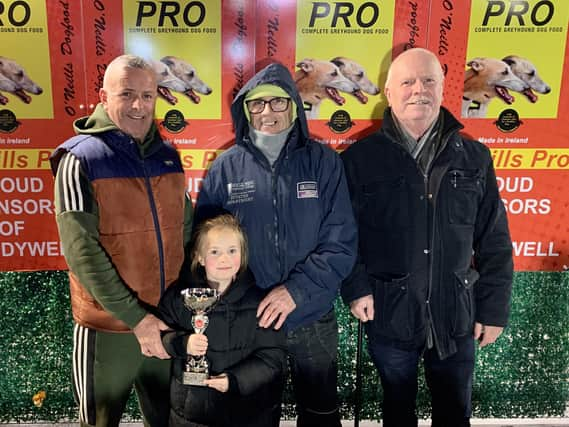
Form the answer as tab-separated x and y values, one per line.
140	204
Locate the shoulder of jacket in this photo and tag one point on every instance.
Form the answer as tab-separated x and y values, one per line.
472	145
236	150
375	141
79	140
168	146
321	152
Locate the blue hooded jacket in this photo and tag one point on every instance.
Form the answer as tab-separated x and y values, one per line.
297	214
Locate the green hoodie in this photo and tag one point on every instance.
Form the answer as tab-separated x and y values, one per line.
79	232
99	122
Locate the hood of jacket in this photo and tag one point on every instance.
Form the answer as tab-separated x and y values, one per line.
275	74
99	122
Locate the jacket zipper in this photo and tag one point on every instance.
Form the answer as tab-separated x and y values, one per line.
431	234
156	227
275	214
431	336
430	329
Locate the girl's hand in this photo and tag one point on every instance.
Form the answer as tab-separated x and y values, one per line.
197	344
218	382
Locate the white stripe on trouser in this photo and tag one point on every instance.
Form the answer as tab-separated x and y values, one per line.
80	351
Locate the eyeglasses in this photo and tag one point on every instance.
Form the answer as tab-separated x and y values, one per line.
278	105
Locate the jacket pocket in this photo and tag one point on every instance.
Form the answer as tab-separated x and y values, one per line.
392	307
466	190
464	304
384	203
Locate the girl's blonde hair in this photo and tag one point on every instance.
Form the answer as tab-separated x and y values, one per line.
226	221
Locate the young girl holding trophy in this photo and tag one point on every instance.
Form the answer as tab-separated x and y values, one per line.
245	363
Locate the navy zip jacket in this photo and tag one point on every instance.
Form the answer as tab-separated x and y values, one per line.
297	214
434	249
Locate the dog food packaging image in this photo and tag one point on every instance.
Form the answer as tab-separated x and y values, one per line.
338	74
25	75
515	58
183	44
339	55
202	53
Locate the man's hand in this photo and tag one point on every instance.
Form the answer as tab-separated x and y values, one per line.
148	335
218	382
197	345
277	305
486	334
362	308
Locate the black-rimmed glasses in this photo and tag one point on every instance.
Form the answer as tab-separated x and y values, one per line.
278	105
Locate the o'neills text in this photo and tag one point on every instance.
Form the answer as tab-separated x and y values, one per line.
272	30
69	89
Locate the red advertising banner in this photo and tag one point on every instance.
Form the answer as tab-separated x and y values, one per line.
504	63
42	90
411	24
327	48
54	55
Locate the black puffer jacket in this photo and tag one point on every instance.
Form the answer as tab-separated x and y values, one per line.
254	358
433	249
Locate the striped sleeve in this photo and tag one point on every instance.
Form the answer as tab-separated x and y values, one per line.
73	190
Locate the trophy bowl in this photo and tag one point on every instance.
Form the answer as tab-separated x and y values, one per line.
199	301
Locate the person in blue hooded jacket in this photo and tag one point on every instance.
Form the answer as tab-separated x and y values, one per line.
290	195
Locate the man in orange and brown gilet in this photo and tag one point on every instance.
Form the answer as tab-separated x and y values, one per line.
124	219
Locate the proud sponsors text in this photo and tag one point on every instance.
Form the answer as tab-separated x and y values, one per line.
24	198
534	249
516	195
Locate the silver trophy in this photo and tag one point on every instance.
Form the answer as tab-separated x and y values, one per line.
199	301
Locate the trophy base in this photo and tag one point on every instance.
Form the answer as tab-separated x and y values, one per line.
194	378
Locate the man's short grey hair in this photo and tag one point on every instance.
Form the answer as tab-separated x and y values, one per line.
131	61
128	61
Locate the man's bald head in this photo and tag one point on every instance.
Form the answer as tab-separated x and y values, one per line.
414	89
418	52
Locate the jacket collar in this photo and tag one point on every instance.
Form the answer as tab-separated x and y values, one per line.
450	124
236	290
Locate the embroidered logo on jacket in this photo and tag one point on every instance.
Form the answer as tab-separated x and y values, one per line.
240	192
307	190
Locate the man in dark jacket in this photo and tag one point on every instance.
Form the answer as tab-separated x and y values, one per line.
123	218
434	270
290	195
